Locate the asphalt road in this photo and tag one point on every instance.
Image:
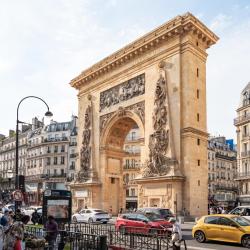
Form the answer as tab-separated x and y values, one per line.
194	245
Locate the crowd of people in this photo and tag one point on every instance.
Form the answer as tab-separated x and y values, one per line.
13	230
217	210
12	226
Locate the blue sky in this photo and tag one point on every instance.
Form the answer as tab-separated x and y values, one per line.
45	43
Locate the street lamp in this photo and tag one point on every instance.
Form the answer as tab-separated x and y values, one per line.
10	175
48	114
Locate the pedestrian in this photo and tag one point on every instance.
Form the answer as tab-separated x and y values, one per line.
51	232
121	210
110	212
176	236
35	217
15	234
18	216
211	210
5	220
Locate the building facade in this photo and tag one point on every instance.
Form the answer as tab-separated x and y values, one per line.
46	157
131	167
242	123
222	169
157	83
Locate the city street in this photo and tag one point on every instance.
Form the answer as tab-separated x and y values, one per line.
192	244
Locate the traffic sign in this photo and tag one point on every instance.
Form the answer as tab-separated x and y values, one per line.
18	195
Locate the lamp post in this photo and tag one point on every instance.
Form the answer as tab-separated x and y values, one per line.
10	175
48	114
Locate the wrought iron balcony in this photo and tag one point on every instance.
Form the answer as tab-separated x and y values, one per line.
226	157
242	119
73	155
242	175
245	154
73	144
226	188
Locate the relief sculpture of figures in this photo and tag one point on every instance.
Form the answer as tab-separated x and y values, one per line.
85	152
122	92
158	163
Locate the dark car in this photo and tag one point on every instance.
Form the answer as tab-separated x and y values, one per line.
163	213
139	223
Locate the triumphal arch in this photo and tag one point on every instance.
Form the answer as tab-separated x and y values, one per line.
157	83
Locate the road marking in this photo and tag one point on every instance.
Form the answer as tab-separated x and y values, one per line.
198	248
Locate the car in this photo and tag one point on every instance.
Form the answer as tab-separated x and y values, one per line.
242	211
140	223
30	210
223	227
163	213
91	215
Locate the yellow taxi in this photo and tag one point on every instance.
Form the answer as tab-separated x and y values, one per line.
223	227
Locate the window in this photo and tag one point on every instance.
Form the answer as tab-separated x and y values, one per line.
197	72
48	161
62	159
198	141
48	149
199	162
132	192
198	117
55	160
199	183
63	148
198	93
211	220
112	180
56	149
62	172
225	222
127	192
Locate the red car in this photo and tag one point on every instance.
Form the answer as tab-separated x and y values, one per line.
139	223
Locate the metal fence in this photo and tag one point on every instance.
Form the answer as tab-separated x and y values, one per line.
105	236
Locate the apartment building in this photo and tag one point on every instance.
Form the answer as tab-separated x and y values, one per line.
131	166
222	169
242	123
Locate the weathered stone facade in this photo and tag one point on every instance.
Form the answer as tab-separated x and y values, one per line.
159	84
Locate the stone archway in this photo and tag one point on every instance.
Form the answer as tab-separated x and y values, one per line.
159	83
111	157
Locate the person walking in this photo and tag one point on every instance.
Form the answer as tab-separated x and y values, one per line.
176	234
15	234
35	217
51	232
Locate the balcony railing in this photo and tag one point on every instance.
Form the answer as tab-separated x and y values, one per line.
73	155
131	167
226	188
48	176
226	157
73	143
56	139
242	119
242	175
245	154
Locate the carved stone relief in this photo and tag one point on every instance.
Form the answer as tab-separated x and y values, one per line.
122	92
85	152
138	108
158	163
